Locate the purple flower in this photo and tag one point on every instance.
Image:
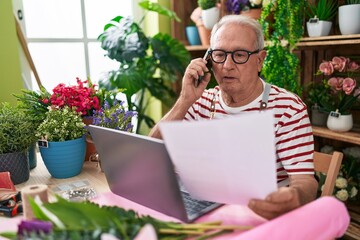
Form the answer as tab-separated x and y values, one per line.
37	226
235	6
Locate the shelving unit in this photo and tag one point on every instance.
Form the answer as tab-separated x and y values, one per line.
352	137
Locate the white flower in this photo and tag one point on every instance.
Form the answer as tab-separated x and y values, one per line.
353	152
353	192
255	2
341	183
342	195
327	149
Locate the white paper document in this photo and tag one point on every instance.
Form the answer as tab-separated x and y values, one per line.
229	161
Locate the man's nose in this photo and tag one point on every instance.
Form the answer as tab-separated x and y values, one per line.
229	62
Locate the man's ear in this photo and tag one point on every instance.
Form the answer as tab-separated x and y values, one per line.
261	58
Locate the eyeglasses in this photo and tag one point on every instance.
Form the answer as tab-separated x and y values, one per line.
238	56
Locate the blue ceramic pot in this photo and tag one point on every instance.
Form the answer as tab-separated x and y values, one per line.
192	35
64	159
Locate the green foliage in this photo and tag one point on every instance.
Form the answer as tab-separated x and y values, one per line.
353	2
317	94
32	103
281	66
61	124
206	4
147	64
325	10
17	132
86	220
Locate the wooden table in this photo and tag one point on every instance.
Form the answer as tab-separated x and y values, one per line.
91	173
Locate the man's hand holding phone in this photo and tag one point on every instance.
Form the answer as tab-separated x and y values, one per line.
208	65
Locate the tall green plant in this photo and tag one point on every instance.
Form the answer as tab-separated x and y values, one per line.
353	2
146	63
282	22
324	10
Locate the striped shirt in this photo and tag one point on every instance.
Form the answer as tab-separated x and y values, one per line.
293	133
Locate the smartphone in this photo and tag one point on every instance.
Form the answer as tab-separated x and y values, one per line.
208	65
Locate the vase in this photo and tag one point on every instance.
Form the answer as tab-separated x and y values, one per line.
64	159
319	28
210	17
90	146
318	117
339	122
349	19
204	35
192	35
17	164
32	156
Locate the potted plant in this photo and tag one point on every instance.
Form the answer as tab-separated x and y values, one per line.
321	15
146	64
31	102
343	91
62	141
349	17
16	135
210	12
281	65
192	34
250	8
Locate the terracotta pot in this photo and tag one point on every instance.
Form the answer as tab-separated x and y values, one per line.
204	35
90	146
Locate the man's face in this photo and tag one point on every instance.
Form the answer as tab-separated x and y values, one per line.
237	78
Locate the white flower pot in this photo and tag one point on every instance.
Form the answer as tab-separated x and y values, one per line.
349	19
210	17
340	123
320	28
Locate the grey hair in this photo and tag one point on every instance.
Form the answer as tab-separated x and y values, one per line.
241	21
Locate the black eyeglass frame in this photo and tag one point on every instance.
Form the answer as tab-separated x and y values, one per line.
249	53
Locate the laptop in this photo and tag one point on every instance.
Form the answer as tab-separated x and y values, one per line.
139	168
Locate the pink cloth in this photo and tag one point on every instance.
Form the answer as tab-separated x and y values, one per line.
324	218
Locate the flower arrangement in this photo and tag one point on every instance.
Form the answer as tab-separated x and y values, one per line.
115	116
236	6
341	86
61	124
82	97
347	182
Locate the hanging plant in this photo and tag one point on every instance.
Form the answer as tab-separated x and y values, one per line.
282	23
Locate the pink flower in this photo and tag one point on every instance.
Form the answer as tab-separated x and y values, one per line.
348	85
353	66
336	83
340	63
326	67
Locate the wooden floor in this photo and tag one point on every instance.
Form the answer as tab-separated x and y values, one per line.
353	231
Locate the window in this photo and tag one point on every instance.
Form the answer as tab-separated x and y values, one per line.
62	37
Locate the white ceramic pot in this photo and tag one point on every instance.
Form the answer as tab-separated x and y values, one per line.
320	28
349	19
339	123
210	17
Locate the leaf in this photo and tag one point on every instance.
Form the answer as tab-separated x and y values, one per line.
155	7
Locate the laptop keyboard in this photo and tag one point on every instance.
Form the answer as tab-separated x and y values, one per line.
193	206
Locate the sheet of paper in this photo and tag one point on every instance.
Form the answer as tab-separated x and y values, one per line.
230	160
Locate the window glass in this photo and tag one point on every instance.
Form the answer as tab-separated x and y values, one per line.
58	62
53	18
99	63
99	13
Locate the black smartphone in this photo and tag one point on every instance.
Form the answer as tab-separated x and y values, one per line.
208	65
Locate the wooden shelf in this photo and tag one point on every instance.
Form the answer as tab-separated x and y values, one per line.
332	40
349	137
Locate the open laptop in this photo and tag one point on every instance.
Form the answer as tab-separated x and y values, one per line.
139	168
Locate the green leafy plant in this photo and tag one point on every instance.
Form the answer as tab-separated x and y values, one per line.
17	132
324	10
282	29
317	94
352	1
147	64
86	220
206	4
61	124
